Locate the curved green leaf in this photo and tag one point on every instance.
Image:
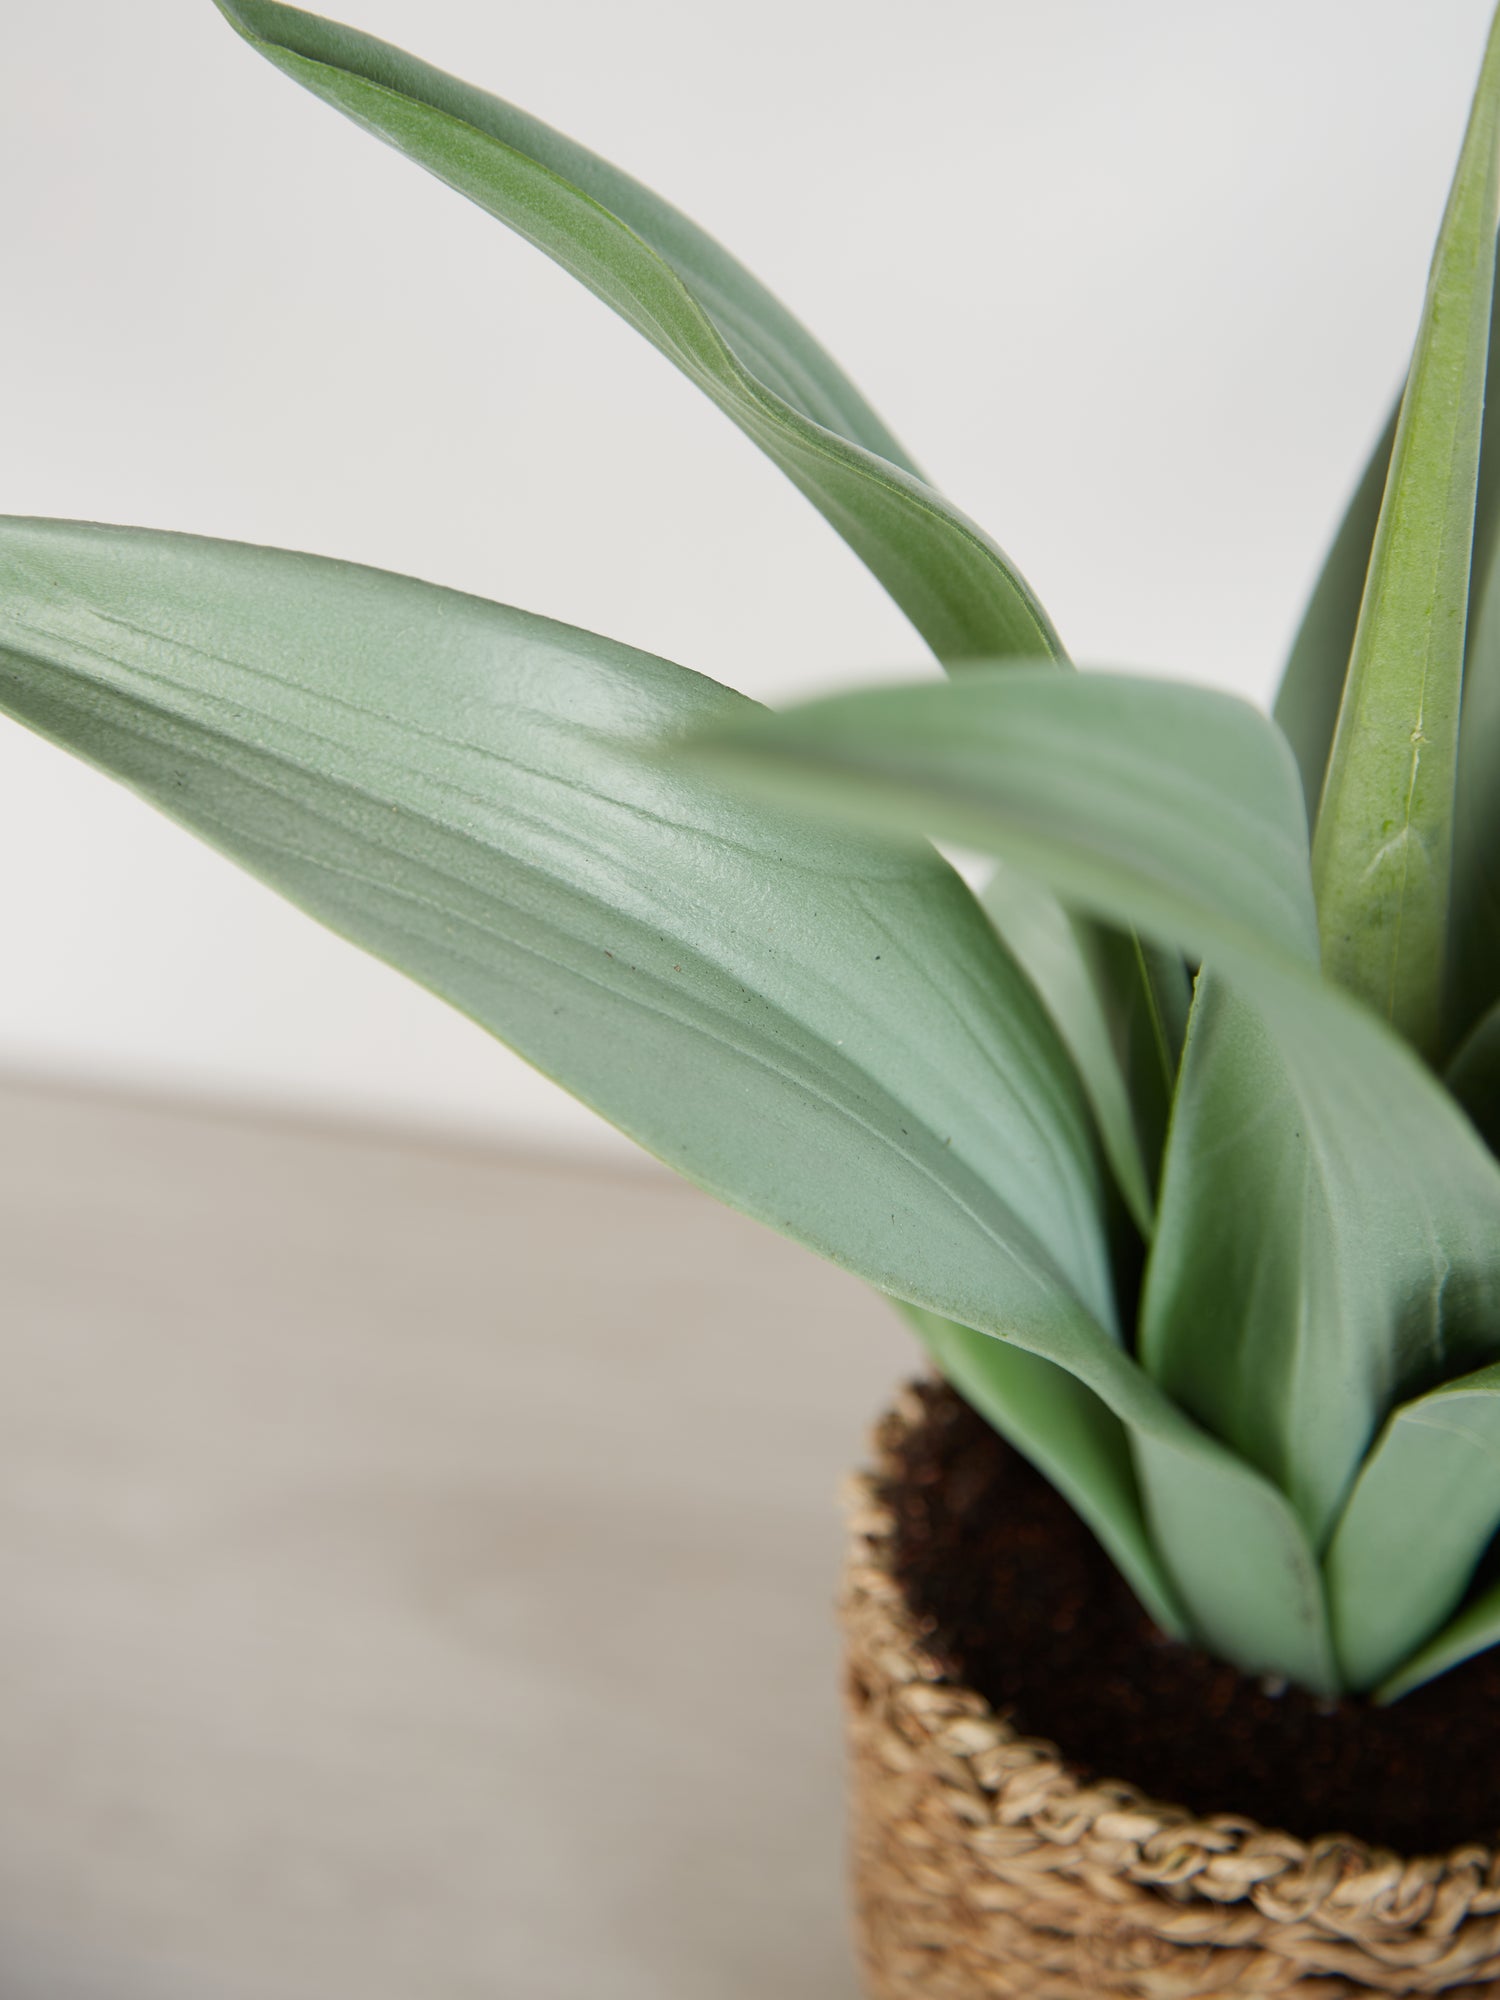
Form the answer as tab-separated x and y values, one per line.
1053	951
821	1029
1474	956
1474	1630
1423	1511
1383	847
1325	1209
1239	1558
1262	1606
1069	1436
1144	801
1327	1240
1474	923
1308	701
693	302
1146	991
1312	684
706	313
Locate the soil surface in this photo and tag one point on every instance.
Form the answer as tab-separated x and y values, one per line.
1017	1600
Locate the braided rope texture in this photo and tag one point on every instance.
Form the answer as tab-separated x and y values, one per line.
983	1867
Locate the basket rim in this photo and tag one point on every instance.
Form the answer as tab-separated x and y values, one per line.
1358	1890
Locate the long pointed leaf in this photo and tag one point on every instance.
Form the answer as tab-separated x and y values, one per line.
1474	1630
1383	847
1144	801
703	310
1069	1436
1307	703
1425	1508
1052	949
1147	993
1328	1237
1312	685
1325	1208
676	286
1474	957
821	1028
1236	1556
1474	924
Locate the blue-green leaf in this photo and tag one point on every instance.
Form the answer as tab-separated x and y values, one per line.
1425	1508
1312	685
1054	951
823	1029
1474	953
707	314
820	1027
691	300
1069	1435
1474	1630
1383	847
1328	1228
1146	802
1328	1235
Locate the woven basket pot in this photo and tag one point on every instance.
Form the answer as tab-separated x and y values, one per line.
984	1867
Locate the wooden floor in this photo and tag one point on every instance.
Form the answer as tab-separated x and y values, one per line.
416	1568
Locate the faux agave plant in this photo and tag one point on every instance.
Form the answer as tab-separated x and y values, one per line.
1177	1146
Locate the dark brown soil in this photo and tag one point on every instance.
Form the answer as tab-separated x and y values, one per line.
1018	1601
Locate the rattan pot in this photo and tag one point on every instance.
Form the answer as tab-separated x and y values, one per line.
983	1866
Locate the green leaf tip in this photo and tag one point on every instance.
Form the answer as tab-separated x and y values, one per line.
1382	853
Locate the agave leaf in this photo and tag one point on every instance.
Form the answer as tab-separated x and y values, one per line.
1474	954
694	303
1147	995
822	1029
819	1027
1328	1235
1146	802
1307	702
1424	1509
1325	1209
1382	853
1236	1557
707	314
1069	1436
1474	960
1474	1630
1053	950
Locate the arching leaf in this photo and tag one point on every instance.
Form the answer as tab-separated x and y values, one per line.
1145	802
1053	949
1071	1438
691	300
1312	685
1425	1508
820	1027
1328	1235
1382	852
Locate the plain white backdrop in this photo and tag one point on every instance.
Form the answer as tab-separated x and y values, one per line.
1134	281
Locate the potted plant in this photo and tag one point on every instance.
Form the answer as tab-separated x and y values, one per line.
1178	1149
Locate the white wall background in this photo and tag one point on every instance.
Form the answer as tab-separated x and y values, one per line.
1135	281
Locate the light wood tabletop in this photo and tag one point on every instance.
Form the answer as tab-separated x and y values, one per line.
417	1566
